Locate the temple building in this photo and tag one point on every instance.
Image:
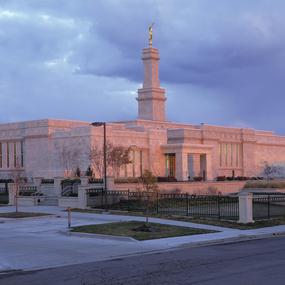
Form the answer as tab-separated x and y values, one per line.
51	148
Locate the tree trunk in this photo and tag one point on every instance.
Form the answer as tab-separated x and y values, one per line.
16	197
147	205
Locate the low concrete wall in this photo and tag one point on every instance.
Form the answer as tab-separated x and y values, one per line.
27	201
48	189
65	202
208	187
262	190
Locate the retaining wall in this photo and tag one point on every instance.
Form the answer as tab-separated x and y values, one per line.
206	187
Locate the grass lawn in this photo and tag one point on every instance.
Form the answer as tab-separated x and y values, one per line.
214	222
232	224
21	215
129	229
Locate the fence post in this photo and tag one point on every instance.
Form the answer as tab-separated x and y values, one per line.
268	206
128	200
102	198
187	201
157	202
219	207
245	208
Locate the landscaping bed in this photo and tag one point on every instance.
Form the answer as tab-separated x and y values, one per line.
139	230
17	215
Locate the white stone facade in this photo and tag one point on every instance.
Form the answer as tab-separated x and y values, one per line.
50	148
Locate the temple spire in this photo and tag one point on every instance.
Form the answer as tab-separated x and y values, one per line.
151	98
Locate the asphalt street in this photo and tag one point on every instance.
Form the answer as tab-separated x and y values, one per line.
248	263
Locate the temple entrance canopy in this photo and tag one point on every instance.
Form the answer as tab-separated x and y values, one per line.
186	161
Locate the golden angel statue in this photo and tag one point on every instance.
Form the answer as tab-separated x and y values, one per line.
150	34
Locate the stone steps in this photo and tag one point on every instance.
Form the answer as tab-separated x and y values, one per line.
49	201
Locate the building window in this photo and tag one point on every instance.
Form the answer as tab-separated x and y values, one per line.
22	154
221	154
229	154
1	156
170	166
237	155
8	154
126	170
15	155
232	155
134	163
141	163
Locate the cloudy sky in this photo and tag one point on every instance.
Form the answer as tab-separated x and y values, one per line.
222	62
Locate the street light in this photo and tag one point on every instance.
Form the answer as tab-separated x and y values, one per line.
99	124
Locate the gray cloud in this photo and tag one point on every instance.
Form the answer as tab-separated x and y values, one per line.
222	62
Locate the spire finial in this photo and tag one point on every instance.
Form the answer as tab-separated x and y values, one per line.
150	32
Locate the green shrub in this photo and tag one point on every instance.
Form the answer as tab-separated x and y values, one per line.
265	184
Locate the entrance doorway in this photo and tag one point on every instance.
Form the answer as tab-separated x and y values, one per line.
170	164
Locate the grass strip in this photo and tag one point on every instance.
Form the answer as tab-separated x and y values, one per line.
132	229
19	215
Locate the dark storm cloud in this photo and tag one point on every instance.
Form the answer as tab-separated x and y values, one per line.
222	62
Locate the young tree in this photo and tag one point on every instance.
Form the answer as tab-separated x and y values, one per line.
77	172
149	183
89	171
16	175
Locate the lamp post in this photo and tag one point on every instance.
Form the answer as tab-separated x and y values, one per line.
99	124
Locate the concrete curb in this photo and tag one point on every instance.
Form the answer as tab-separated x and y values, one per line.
240	238
4	220
100	236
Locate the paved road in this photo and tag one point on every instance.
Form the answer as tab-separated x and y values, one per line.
248	263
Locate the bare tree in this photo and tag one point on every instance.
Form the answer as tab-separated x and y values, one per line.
273	170
96	158
69	158
116	157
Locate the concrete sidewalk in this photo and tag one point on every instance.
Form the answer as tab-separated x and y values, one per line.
33	243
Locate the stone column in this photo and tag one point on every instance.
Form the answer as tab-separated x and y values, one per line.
84	180
181	159
57	185
209	167
245	208
12	193
110	183
82	197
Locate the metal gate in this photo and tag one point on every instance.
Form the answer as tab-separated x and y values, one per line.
268	205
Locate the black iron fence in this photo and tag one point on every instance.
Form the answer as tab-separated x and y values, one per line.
4	195
27	190
268	205
215	206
